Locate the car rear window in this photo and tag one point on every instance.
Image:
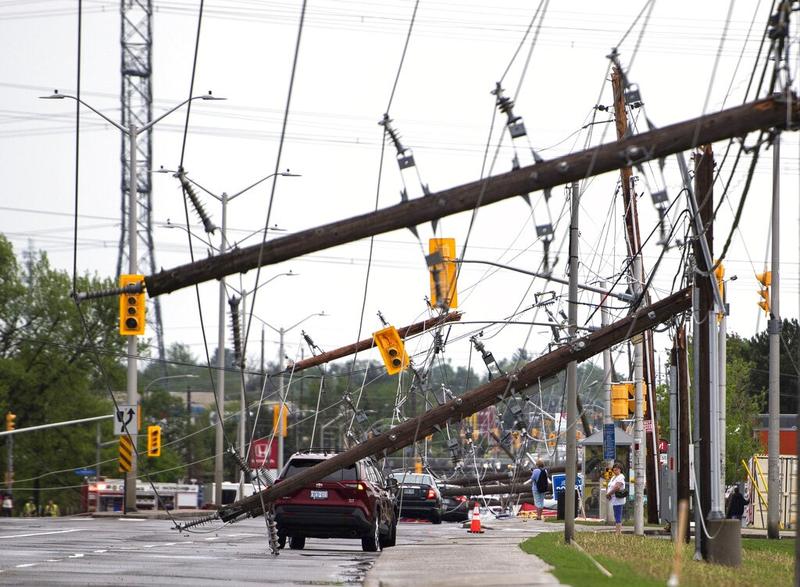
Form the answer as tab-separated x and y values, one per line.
299	465
411	478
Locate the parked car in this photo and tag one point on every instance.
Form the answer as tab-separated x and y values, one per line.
418	496
354	502
455	507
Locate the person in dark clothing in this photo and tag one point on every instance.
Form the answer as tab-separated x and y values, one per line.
736	504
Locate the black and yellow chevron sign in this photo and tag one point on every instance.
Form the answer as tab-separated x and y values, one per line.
125	454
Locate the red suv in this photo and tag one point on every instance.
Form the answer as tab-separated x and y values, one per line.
354	502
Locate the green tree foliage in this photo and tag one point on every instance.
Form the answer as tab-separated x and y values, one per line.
756	351
58	361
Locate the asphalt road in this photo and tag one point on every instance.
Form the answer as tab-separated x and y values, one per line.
113	551
117	551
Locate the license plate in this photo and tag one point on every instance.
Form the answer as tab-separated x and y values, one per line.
319	494
409	491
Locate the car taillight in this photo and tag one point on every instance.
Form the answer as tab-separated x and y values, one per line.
431	494
461	498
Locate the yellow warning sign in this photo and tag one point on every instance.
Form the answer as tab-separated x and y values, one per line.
125	454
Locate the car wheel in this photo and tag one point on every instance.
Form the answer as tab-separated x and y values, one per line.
297	542
391	537
436	517
281	540
372	543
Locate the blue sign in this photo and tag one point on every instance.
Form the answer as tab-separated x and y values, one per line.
560	478
609	442
85	472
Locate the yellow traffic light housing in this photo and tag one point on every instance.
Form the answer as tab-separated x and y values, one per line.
623	400
764	302
765	279
131	307
442	266
619	400
11	421
393	351
154	441
280	419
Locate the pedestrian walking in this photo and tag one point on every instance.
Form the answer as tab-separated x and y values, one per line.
8	505
539	485
617	494
51	509
736	504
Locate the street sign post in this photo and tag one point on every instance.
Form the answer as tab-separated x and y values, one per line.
85	472
126	420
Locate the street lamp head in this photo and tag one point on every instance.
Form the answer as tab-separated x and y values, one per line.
288	173
54	96
209	96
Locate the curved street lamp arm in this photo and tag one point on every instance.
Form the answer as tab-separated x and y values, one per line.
57	96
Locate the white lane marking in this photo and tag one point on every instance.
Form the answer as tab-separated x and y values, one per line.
26	565
101	551
213	538
43	533
76	555
53	560
150	545
131	520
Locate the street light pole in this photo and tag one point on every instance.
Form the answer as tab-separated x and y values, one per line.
281	334
132	375
220	365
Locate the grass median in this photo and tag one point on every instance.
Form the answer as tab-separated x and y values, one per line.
645	561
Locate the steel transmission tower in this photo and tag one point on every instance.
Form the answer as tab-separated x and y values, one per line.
137	108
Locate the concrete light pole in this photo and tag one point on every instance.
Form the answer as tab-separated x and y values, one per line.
132	132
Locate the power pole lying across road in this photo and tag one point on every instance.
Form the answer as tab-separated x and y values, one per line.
472	401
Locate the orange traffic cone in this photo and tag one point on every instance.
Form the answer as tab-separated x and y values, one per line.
475	525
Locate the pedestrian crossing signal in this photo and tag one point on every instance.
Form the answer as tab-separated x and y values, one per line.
154	441
131	307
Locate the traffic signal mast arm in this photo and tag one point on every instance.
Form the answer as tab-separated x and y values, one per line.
472	401
733	122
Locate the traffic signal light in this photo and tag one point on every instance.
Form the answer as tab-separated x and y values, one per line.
154	441
11	421
280	419
623	400
393	352
442	267
765	279
619	400
131	307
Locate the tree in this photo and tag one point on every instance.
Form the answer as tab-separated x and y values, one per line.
757	352
58	361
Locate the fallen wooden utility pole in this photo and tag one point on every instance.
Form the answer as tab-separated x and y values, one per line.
472	401
368	343
733	122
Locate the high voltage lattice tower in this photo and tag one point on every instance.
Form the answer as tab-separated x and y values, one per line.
137	108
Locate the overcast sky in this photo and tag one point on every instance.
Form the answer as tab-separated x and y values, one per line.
349	56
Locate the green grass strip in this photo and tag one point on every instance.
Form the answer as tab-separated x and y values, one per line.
647	561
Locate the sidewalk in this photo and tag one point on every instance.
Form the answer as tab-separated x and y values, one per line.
493	558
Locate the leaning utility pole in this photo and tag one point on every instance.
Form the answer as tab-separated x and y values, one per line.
774	329
467	404
572	370
636	279
733	122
